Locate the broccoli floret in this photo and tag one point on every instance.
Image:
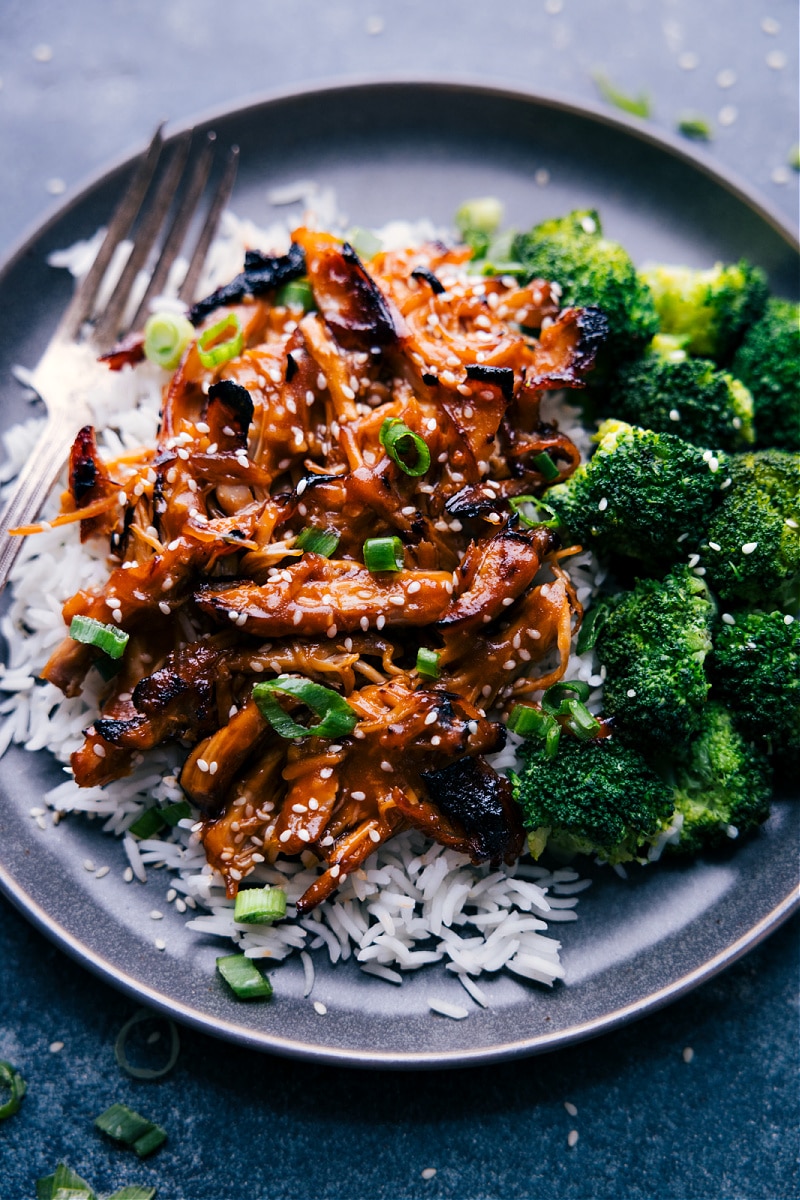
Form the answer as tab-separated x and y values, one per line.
712	308
591	271
752	547
653	645
722	786
597	797
639	493
668	392
755	669
768	362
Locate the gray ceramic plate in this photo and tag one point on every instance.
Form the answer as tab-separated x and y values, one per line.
412	150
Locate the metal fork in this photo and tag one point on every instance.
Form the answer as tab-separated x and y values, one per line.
186	173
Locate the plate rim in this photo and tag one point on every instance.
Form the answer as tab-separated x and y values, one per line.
376	1059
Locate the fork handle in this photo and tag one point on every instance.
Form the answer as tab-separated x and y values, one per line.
33	485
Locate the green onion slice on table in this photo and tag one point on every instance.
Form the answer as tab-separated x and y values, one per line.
11	1082
120	1046
124	1125
108	638
337	718
405	448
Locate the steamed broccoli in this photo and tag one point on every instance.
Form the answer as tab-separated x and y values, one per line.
712	308
752	547
591	271
640	493
597	797
668	392
722	785
768	362
653	645
755	669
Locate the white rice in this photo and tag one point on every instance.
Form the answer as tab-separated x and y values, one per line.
413	903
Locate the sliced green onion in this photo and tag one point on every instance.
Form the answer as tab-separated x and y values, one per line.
638	106
384	554
63	1183
337	718
482	215
297	293
149	1142
166	336
579	720
552	740
108	638
12	1082
696	128
552	521
529	722
221	342
243	977
256	906
318	541
124	1125
154	819
794	158
133	1192
428	662
365	243
178	811
546	467
148	824
400	443
566	689
591	628
142	1016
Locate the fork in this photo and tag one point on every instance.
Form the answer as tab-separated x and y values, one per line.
186	173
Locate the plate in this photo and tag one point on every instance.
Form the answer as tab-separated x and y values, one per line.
414	149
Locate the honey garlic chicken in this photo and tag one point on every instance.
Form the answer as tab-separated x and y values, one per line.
320	570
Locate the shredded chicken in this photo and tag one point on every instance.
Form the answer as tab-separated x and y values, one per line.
209	581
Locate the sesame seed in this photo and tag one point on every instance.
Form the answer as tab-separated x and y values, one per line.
414	586
770	25
631	692
687	1054
164	607
99	750
428	1173
127	874
749	547
213	767
101	874
202	765
788	619
776	60
326	772
374	836
381	621
571	1109
320	1008
688	61
572	1137
160	944
509	664
359	795
88	865
54	1047
603	505
508	601
726	78
155	915
284	837
436	740
332	631
674	415
727	115
541	177
386	766
432	717
714	546
727	619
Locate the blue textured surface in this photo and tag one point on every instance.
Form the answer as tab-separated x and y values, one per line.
649	1123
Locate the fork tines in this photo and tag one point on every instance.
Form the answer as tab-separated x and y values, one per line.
152	196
